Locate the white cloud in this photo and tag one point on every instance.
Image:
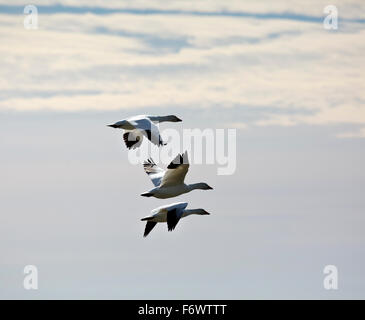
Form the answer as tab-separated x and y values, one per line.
236	125
119	61
347	8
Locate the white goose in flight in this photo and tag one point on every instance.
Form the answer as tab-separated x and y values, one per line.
170	183
171	214
139	126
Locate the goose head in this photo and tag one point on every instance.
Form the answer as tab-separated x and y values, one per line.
202	212
203	186
172	118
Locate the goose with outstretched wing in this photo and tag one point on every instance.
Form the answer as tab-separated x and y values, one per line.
171	214
170	183
142	126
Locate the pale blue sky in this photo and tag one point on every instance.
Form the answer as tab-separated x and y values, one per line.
69	198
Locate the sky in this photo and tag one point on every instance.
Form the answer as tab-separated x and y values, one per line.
70	200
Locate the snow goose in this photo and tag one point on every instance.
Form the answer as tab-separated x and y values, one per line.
171	214
142	125
170	183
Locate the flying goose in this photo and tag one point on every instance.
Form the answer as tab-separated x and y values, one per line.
171	214
170	183
142	125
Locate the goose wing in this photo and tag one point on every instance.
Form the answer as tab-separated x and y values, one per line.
154	172
149	226
149	129
173	217
132	139
176	171
154	119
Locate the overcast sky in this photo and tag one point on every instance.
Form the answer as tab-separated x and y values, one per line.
70	200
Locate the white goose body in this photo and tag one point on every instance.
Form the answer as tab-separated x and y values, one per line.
142	125
171	214
170	183
168	192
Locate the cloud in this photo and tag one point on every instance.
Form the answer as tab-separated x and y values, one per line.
347	8
236	125
296	71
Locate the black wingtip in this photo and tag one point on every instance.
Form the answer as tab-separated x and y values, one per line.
149	226
149	162
130	143
170	228
180	159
